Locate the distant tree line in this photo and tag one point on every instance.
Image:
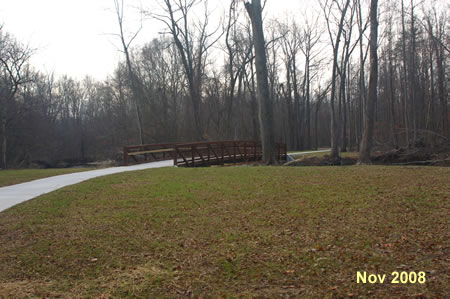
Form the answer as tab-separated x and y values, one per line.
199	82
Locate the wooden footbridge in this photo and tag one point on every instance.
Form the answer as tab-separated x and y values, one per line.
198	154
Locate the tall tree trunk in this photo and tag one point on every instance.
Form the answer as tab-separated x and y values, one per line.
392	104
308	104
251	85
3	119
350	108
297	132
195	99
366	144
287	93
430	111
136	95
362	79
344	125
405	78
391	88
413	69
440	56
254	10
316	121
238	130
4	142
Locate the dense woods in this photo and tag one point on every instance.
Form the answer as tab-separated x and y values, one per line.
199	81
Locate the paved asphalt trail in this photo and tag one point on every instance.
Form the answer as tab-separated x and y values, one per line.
15	194
290	158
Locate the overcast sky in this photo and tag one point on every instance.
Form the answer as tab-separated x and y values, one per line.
72	36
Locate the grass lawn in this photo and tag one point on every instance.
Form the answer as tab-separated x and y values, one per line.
232	232
12	177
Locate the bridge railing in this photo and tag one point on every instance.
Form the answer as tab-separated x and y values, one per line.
221	152
200	153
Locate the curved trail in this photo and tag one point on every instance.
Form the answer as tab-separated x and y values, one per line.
15	194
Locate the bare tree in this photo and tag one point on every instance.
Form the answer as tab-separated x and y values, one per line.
342	70
362	77
238	57
412	71
135	85
265	109
251	87
438	45
405	77
13	63
311	38
290	45
328	8
390	80
171	90
193	42
366	144
161	75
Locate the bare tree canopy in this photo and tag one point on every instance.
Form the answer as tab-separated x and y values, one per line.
14	73
353	75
